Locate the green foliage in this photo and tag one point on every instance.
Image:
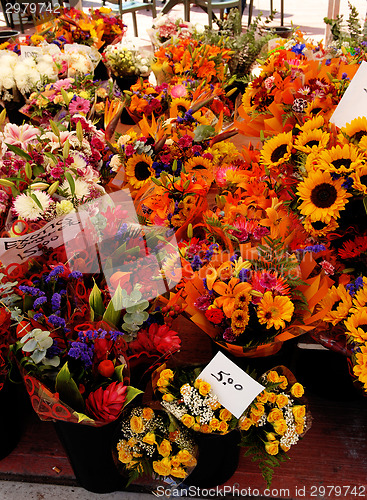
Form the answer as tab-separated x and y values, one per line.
351	32
256	451
68	390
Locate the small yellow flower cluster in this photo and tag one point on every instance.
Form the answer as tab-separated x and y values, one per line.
276	414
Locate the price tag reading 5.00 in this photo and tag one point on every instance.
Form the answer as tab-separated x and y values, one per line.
234	389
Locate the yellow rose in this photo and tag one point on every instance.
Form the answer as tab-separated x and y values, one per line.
162	382
184	388
258	411
188	420
300	427
196	427
280	426
206	429
271	397
162	467
273	377
272	447
168	397
225	415
184	456
270	436
149	438
274	415
214	424
166	374
99	107
83	94
297	390
175	462
283	382
204	388
132	442
178	472
245	424
262	398
299	411
281	400
125	456
223	427
136	424
164	448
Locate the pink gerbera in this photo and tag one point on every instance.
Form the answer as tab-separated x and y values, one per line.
79	105
63	84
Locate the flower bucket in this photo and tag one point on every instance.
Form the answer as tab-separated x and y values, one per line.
10	417
217	461
89	452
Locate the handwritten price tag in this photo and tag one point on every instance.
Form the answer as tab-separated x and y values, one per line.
234	389
353	104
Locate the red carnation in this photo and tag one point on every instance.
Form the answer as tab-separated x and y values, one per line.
159	338
214	315
106	404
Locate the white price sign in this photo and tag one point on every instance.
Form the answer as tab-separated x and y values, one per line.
234	388
353	104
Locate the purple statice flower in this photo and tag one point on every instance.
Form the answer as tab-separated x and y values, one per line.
233	258
57	321
77	275
243	275
348	183
203	302
314	248
54	273
53	351
56	301
115	334
31	290
37	316
228	335
39	301
82	351
196	263
345	76
359	283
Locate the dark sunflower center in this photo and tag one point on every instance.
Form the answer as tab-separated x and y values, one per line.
363	179
315	111
142	172
268	315
342	162
324	195
278	153
363	327
239	318
318	225
182	108
358	135
198	167
312	143
336	305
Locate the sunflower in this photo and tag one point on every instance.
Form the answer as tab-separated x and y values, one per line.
313	123
318	106
312	161
139	170
319	228
179	105
360	367
311	140
240	319
277	150
274	311
360	179
356	325
354	131
336	304
360	297
341	159
201	167
322	197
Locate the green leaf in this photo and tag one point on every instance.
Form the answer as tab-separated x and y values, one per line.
203	132
131	394
38	203
71	182
82	417
365	203
19	152
68	390
119	372
113	310
96	302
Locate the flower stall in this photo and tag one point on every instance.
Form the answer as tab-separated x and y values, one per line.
181	239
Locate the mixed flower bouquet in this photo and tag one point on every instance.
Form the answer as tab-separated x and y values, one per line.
166	30
191	400
155	445
275	421
125	59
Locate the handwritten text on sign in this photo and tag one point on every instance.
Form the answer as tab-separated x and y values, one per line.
234	389
52	235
